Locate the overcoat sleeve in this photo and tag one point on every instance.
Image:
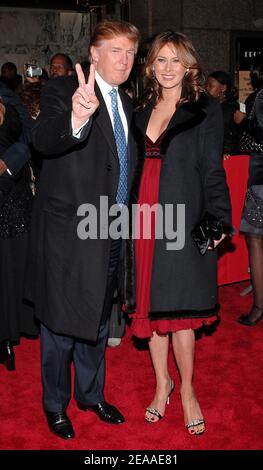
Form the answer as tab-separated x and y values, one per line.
216	193
52	132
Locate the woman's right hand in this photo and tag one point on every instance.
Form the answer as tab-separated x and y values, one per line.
239	116
84	100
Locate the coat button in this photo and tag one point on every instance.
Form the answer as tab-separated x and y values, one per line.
109	167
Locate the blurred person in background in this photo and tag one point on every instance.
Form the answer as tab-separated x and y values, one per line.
61	65
219	85
256	78
9	75
252	217
16	198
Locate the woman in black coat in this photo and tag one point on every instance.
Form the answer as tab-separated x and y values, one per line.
252	217
16	317
180	135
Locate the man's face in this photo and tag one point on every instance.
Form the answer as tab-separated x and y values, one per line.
113	59
58	67
214	88
8	72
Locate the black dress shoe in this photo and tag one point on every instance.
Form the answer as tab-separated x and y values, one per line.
7	355
60	424
105	412
246	319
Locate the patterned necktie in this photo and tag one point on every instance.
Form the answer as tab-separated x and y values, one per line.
120	140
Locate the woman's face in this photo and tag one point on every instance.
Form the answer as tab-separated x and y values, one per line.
167	68
214	88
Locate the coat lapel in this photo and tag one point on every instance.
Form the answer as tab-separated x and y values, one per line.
126	106
104	122
187	116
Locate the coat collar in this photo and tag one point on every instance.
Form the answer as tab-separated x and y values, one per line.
187	115
127	105
103	118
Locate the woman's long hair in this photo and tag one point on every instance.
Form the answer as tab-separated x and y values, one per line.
193	81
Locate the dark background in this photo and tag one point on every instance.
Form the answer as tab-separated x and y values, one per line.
54	4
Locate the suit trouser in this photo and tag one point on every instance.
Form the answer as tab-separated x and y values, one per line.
117	321
58	351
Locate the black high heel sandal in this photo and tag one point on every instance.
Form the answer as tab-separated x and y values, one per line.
154	411
245	319
7	355
194	424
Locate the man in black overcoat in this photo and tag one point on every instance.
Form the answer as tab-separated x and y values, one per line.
73	270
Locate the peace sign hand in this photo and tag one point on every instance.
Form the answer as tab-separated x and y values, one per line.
84	100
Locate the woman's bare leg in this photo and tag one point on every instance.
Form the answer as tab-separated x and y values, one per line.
184	351
159	346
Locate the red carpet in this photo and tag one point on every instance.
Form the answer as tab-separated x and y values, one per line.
228	381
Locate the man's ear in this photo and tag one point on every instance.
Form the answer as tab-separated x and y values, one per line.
94	54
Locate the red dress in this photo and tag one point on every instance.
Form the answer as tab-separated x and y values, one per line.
142	327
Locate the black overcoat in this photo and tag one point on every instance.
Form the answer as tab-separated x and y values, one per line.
67	275
183	282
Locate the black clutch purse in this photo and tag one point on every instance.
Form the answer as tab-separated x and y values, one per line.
208	230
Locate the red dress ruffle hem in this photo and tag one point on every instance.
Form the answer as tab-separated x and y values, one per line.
142	327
